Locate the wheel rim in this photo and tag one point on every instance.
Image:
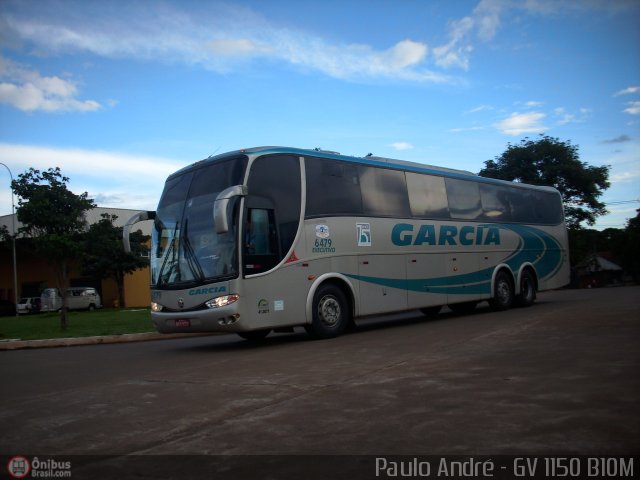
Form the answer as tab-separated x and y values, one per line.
329	310
503	292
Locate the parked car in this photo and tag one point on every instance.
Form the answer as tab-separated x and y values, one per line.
28	305
78	298
7	308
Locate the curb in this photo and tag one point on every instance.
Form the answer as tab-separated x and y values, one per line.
108	339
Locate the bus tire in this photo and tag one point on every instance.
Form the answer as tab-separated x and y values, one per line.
527	290
502	292
330	312
255	335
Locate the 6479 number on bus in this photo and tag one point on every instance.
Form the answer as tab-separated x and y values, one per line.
323	245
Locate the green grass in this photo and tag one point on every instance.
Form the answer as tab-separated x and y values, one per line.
108	321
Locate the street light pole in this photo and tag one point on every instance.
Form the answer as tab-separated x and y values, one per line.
13	242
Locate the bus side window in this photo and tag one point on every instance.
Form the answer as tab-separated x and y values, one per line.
260	232
261	249
464	199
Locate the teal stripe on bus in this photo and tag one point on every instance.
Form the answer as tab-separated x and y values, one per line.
535	247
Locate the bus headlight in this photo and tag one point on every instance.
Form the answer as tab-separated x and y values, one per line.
222	301
156	307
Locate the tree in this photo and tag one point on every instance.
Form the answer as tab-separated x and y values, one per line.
549	161
5	235
630	252
104	255
53	217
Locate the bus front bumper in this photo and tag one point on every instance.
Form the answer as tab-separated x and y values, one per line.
222	319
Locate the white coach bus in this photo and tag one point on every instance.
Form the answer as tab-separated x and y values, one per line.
270	238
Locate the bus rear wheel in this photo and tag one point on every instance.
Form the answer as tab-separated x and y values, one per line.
527	294
330	312
502	292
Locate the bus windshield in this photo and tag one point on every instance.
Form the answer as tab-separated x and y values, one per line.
186	250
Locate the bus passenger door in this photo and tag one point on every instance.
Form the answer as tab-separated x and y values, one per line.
260	241
382	284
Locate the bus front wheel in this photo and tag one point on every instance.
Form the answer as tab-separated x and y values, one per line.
330	312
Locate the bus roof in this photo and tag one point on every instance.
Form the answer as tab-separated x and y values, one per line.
367	160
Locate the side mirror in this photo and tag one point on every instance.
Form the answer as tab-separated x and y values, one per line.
221	205
126	230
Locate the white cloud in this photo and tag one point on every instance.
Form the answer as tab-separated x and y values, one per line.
481	25
110	164
401	61
480	108
467	129
27	90
519	123
208	37
633	109
405	54
627	91
625	177
563	116
401	146
237	47
118	179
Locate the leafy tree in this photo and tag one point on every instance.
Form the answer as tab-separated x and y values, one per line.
53	217
104	255
549	161
586	242
5	235
630	252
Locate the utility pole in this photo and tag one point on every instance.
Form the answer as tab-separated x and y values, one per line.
13	242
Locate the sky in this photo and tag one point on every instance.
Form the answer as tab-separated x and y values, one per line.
121	94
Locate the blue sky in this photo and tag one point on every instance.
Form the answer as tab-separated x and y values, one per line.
120	94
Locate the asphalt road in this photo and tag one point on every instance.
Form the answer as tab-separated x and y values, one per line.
560	377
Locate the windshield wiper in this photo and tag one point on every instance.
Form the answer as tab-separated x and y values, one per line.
190	255
171	250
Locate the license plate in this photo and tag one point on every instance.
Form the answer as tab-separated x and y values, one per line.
183	322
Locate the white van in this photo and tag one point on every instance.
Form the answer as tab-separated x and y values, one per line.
78	298
28	305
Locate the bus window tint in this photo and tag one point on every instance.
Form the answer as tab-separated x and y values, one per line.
535	207
260	232
548	208
427	196
496	206
274	182
384	192
464	199
333	188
